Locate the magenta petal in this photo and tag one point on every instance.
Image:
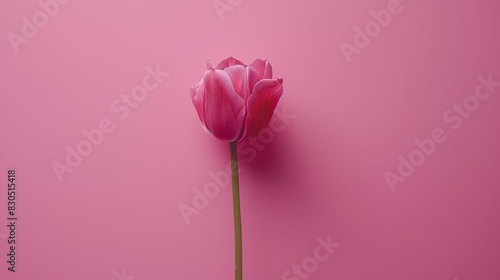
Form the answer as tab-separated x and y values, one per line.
230	61
243	79
237	75
224	108
261	105
209	63
251	79
198	98
263	67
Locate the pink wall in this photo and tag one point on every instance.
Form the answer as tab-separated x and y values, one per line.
362	88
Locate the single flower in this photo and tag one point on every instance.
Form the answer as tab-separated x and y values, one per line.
235	100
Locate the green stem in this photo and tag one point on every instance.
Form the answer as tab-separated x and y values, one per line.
237	213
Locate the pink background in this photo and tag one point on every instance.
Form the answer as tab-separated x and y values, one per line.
322	175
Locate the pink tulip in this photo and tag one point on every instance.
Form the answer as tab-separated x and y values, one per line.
234	100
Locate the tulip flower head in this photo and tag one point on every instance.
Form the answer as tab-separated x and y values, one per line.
235	100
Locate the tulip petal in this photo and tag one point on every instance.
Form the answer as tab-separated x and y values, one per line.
237	75
261	105
230	61
224	108
251	79
243	79
263	67
198	98
209	63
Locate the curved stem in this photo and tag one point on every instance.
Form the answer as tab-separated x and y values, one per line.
237	212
